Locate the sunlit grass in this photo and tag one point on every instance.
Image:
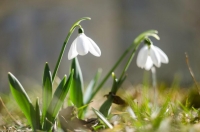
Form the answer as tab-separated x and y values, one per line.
176	109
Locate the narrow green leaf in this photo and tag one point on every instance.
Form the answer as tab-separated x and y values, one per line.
37	115
106	106
22	99
57	101
76	89
46	91
90	89
100	115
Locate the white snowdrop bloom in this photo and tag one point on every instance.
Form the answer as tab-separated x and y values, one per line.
82	45
149	55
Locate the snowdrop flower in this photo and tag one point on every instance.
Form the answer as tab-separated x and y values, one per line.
82	45
149	55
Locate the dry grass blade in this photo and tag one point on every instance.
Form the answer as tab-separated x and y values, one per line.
9	112
191	73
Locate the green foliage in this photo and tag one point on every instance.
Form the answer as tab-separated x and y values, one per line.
101	116
90	91
37	115
76	90
46	91
57	101
22	100
33	114
106	106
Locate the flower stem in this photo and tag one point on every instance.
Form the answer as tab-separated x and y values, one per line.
126	68
154	81
65	43
135	44
129	61
111	70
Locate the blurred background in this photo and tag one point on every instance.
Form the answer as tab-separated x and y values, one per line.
32	33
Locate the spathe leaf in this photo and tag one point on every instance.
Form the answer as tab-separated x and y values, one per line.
141	37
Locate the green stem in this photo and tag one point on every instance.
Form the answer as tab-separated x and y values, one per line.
129	61
154	82
65	43
114	90
111	70
135	43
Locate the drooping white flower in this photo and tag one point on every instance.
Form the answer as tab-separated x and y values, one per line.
82	45
149	55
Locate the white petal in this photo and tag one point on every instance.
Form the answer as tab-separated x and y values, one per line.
72	51
82	44
142	57
155	56
163	56
93	48
149	63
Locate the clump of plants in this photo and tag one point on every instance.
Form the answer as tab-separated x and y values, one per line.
141	110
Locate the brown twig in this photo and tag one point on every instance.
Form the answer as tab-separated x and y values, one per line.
9	112
191	73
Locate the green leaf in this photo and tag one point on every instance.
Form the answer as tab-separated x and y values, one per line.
100	115
22	99
106	106
90	89
37	115
57	101
46	91
76	89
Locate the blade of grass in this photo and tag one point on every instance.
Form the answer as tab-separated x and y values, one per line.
161	114
101	116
